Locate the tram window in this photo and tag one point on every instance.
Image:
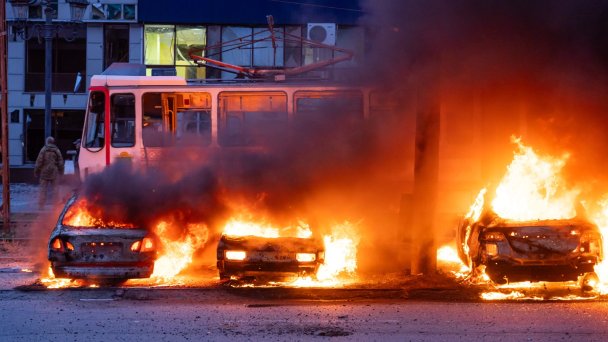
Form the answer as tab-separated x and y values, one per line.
123	120
152	120
331	108
94	126
252	119
193	124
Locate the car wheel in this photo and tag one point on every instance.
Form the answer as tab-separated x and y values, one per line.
589	281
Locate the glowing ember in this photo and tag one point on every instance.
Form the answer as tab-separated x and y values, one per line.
83	214
533	189
502	296
58	283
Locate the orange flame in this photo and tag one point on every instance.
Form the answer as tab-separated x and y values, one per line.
533	189
238	227
447	258
83	214
51	282
600	217
177	253
340	253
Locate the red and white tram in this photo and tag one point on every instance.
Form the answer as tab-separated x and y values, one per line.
136	117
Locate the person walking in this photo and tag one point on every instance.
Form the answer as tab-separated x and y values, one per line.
49	166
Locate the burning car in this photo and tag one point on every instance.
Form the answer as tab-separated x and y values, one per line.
241	256
532	250
82	246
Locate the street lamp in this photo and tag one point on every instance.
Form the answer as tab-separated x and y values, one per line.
47	31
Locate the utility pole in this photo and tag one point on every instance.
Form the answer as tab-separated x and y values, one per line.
426	171
6	200
48	32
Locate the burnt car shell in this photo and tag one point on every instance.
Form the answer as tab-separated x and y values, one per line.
99	253
267	258
540	250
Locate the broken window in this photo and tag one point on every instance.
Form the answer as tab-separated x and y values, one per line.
116	44
187	38
94	127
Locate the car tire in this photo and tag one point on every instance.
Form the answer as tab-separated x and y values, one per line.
589	281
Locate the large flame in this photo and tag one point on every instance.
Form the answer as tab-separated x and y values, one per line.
533	188
340	253
241	227
176	254
83	214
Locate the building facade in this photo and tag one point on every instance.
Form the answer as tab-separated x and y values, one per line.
158	34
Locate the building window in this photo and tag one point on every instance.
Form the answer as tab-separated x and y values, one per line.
159	41
113	12
169	45
236	47
69	58
116	44
264	54
189	37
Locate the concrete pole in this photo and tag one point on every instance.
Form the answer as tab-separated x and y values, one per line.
426	171
48	67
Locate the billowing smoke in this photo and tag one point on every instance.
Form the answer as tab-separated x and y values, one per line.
534	69
142	198
531	68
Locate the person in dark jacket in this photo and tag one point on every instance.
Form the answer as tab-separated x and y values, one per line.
49	166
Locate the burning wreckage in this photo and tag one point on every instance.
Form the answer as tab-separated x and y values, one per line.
255	252
534	250
253	258
82	246
533	229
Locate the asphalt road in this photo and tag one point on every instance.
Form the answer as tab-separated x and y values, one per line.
220	314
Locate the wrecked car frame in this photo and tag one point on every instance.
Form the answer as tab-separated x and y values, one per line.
538	250
253	258
101	253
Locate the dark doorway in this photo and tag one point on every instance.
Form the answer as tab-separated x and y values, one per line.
66	127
